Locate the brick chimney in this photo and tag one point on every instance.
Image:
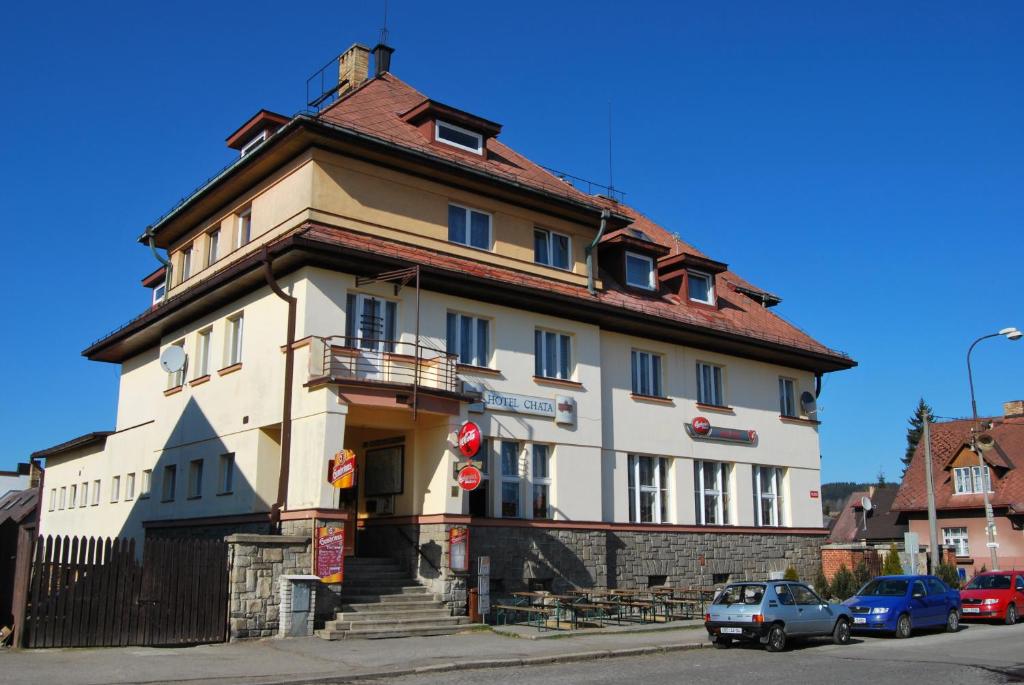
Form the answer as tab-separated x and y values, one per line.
1014	409
353	67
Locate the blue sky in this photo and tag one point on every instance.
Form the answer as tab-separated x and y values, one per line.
860	159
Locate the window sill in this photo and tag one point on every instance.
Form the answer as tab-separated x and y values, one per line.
166	501
224	494
557	382
143	496
230	369
477	370
193	497
653	399
720	408
200	380
172	391
799	420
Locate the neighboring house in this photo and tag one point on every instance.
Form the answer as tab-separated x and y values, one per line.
17	479
959	480
17	507
631	391
879	526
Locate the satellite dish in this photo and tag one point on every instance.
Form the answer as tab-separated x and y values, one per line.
865	503
172	359
808	403
985	442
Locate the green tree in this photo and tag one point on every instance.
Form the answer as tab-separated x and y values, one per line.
844	585
821	584
948	574
892	566
915	430
861	572
881	478
791	574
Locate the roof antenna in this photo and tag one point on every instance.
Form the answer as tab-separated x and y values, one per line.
384	28
611	182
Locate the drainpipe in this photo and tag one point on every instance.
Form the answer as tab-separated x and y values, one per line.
817	385
590	251
289	374
163	260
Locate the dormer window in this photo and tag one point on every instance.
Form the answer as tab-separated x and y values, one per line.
253	144
158	293
639	271
456	136
700	287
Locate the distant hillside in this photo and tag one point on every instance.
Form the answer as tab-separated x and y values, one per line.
834	495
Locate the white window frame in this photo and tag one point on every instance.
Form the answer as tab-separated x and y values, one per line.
479	149
956	536
776	517
662	511
243	228
159	292
715	395
146	484
507	478
129	487
73	497
203	340
711	286
540	481
226	474
62	503
53	499
540	352
234	339
253	144
354	332
549	236
787	397
469	211
721	492
186	262
454	343
115	488
971	477
651	272
195	479
652	377
175	379
95	493
213	246
84	491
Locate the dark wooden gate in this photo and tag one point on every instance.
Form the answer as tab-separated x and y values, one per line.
93	592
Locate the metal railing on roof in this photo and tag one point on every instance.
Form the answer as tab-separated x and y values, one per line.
587	186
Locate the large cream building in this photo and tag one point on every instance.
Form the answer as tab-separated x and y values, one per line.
645	412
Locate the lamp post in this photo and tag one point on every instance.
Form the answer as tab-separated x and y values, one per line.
990	523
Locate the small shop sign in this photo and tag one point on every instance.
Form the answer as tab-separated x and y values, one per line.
330	554
469	439
470	478
700	428
458	549
341	470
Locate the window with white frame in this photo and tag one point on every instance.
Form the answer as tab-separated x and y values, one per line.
169	485
83	501
511	483
540	479
236	329
469	227
129	487
226	474
787	397
212	247
244	229
95	493
700	287
371	323
176	378
186	263
639	271
73	501
709	384
768	504
159	291
53	498
646	373
63	498
552	354
968	480
195	479
957	537
253	144
711	479
551	249
115	488
459	137
469	339
146	484
203	352
648	489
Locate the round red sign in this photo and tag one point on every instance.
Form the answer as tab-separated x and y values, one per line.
469	439
701	426
470	478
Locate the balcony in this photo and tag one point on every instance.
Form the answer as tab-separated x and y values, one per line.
368	362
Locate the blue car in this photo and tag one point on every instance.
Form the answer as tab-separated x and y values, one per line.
899	604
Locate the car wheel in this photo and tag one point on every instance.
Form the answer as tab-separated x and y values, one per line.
953	621
722	643
776	639
841	633
903	626
1011	614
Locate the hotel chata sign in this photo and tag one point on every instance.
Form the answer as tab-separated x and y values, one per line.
561	408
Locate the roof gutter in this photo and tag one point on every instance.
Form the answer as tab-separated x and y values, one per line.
605	214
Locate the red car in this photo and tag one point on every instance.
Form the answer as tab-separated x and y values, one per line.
994	595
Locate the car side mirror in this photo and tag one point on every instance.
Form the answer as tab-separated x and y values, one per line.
917	595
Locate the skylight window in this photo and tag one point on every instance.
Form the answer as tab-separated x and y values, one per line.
453	135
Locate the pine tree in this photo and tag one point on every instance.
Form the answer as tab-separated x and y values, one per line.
892	566
914	432
861	572
843	584
791	574
821	585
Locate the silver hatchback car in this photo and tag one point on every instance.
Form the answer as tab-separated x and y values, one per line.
773	611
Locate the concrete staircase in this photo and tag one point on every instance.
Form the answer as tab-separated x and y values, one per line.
380	600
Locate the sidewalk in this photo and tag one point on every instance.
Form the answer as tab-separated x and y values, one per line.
312	660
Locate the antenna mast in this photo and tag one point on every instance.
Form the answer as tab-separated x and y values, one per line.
384	28
611	182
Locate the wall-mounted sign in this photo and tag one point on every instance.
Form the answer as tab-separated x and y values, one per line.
458	549
814	494
330	554
565	410
519	404
469	439
470	478
709	432
341	470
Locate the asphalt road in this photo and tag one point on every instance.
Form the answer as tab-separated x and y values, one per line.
977	654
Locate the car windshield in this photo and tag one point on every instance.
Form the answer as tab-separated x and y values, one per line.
989	583
884	587
748	593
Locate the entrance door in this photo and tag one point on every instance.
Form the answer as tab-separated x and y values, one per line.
348	502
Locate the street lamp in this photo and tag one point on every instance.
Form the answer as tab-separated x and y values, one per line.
1010	333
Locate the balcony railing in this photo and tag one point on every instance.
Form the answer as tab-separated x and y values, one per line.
390	362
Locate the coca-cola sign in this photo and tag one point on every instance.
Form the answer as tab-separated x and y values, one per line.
701	429
701	426
469	439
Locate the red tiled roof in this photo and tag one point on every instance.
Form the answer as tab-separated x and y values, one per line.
948	438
